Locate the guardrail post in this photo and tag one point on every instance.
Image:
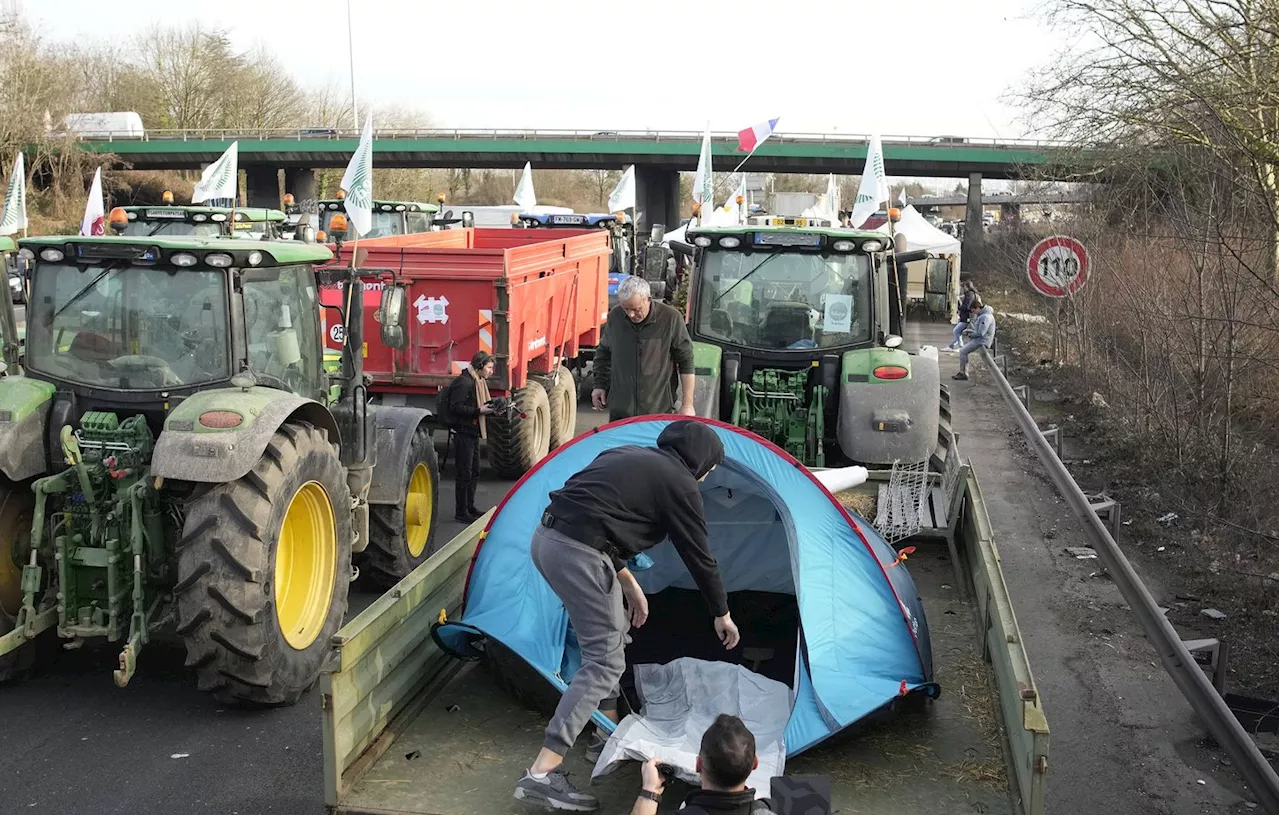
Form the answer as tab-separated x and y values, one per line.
1211	655
1002	364
1024	394
1108	511
1053	434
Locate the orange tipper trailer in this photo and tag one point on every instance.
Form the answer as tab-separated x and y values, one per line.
535	299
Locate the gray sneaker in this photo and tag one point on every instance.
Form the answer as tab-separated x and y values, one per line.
554	792
595	745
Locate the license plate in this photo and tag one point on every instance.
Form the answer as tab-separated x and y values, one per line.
566	219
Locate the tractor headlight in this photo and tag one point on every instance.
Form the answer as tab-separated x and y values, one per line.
218	216
872	246
26	254
729	243
199	217
133	216
702	240
386	207
844	246
255	258
183	259
218	260
51	255
399	207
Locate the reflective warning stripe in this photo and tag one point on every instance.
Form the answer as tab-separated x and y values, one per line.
458	367
486	330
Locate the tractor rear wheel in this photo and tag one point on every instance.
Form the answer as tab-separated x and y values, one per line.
516	446
16	506
264	564
562	400
400	535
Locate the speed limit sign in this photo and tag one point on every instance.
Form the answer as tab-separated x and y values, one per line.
1058	266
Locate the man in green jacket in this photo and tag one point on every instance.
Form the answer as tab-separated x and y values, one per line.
643	347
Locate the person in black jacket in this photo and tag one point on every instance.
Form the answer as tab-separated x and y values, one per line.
726	758
465	401
625	501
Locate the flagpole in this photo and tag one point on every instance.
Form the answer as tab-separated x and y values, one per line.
351	60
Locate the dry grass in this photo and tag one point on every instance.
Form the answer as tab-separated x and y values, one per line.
859	502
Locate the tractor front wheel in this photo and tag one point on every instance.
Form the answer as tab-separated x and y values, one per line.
516	446
264	564
400	535
16	506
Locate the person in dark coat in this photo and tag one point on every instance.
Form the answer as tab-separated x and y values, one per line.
465	400
968	295
726	758
627	500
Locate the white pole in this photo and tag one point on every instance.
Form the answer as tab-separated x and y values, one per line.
351	57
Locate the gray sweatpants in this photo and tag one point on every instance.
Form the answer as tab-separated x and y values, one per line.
585	582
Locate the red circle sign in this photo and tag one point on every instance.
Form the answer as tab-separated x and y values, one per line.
1058	266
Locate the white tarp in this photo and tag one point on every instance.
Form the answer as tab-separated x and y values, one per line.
923	235
681	699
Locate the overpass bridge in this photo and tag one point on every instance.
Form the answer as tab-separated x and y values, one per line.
1005	199
659	156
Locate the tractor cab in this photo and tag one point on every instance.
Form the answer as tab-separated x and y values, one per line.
622	239
174	452
169	221
389	217
797	335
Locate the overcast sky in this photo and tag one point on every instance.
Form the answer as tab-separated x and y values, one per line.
911	67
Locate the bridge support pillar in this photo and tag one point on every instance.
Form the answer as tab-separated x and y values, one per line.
262	187
971	250
657	199
301	184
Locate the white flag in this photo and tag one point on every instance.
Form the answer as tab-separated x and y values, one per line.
902	197
833	199
94	221
623	196
874	189
702	182
524	196
357	182
15	200
221	178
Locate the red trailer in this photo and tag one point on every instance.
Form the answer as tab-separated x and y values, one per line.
535	299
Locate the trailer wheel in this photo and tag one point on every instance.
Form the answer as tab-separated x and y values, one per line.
264	564
400	535
515	446
562	398
16	506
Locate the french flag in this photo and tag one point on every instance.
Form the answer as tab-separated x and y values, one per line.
754	136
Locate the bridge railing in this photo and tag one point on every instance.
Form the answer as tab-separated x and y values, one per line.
462	134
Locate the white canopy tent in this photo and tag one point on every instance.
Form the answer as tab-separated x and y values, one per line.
924	236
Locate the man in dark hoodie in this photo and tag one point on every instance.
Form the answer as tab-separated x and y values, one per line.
627	500
726	759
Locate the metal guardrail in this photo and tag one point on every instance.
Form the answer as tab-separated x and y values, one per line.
1177	660
319	133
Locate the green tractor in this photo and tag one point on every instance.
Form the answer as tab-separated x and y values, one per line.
169	221
389	217
797	330
10	336
175	459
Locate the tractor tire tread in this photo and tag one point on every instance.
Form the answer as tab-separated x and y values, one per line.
562	411
513	446
387	560
226	612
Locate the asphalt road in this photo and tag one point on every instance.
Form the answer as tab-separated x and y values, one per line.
71	742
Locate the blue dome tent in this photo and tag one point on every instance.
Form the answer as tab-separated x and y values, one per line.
821	601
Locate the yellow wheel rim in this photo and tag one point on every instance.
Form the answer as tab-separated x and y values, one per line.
15	529
306	559
417	510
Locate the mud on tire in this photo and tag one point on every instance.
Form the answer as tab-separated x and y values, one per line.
562	401
227	571
393	534
515	446
16	506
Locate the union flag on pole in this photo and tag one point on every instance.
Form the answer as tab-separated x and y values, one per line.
754	136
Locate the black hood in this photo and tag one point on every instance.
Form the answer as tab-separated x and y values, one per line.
694	443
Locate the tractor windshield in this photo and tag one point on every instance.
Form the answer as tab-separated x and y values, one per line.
784	300
384	223
128	327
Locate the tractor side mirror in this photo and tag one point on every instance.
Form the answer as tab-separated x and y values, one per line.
305	233
468	219
392	316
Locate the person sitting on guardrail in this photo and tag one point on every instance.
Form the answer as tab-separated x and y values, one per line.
726	758
983	336
968	296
